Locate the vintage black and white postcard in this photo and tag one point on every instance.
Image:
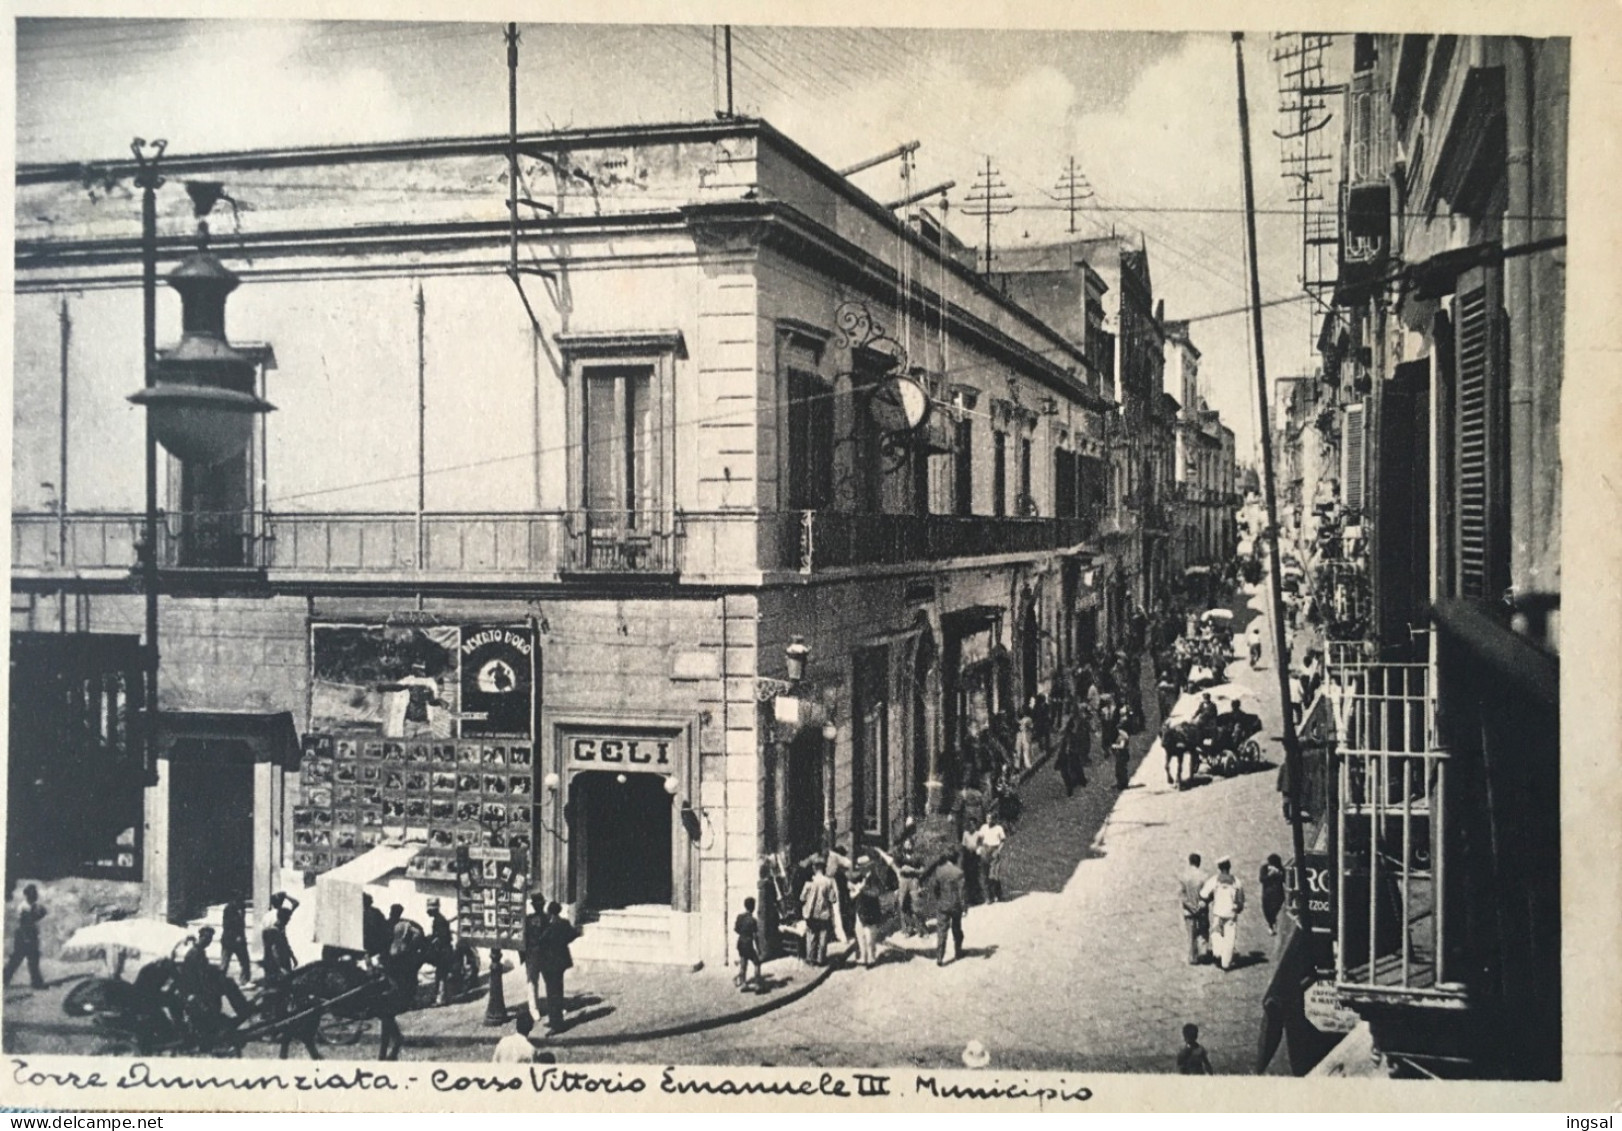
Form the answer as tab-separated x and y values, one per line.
840	559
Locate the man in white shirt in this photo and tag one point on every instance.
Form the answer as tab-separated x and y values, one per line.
515	1047
1226	897
989	842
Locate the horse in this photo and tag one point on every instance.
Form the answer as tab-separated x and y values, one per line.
1180	739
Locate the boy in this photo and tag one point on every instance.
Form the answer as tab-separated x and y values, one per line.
515	1047
747	928
1191	1058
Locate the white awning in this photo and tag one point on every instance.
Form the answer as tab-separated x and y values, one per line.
337	893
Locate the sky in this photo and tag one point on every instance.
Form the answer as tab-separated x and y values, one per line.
1149	119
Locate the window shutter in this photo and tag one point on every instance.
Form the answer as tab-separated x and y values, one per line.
1352	449
1480	542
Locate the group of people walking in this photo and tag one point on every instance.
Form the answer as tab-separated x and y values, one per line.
1211	905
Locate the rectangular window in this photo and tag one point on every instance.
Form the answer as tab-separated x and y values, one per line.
215	527
963	469
618	472
810	441
999	473
872	746
1064	483
1027	501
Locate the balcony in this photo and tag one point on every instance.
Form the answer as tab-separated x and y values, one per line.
507	547
1390	815
816	540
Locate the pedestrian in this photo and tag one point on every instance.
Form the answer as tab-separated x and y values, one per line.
968	861
991	837
1121	753
25	939
819	903
1226	897
839	865
441	951
1272	885
1191	898
1075	745
234	938
516	1047
946	893
1041	721
555	960
278	953
375	930
746	929
1023	742
534	928
869	911
909	894
1192	1059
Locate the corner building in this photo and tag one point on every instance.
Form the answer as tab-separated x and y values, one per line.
522	557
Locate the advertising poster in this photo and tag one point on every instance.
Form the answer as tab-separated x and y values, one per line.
491	885
421	735
497	664
392	682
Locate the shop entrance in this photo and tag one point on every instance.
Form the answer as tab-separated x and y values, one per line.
620	831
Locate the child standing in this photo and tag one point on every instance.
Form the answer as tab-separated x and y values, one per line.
1192	1059
747	929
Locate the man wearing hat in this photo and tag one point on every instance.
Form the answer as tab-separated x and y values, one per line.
1226	897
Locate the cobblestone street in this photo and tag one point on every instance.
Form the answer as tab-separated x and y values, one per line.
1083	967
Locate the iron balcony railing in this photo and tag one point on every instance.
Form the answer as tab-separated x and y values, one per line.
545	543
814	540
1390	826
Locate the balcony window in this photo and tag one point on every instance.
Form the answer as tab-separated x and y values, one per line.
963	468
213	527
999	473
1390	791
810	441
620	457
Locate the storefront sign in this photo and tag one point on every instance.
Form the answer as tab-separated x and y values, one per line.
1324	1010
619	753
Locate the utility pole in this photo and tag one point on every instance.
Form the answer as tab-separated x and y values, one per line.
1292	741
512	157
728	36
986	200
1077	189
1304	113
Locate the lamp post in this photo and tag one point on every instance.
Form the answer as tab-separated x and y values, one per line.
148	178
198	396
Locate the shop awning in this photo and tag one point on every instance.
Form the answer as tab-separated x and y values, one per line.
338	892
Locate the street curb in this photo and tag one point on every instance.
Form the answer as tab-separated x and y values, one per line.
686	1027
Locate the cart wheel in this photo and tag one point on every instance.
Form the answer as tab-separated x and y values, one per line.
342	1031
1252	752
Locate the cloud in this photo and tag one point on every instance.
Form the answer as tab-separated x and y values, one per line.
217	84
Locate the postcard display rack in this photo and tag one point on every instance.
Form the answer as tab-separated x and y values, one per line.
425	736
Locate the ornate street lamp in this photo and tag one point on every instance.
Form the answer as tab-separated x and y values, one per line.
199	396
201	401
